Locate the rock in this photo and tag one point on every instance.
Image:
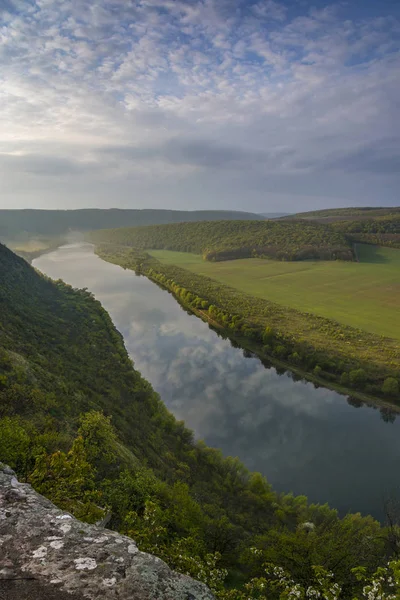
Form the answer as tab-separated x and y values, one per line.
46	554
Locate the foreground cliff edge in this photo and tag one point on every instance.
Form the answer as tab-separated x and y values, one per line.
46	553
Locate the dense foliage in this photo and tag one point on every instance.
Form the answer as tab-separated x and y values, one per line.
225	240
81	424
383	230
330	351
350	213
17	223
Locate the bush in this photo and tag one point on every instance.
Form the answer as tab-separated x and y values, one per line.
390	386
357	377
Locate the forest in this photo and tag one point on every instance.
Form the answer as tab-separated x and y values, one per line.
226	240
81	424
382	230
350	213
370	225
28	223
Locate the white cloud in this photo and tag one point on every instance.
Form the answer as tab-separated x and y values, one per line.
205	101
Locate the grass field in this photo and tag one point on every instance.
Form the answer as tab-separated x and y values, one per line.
364	294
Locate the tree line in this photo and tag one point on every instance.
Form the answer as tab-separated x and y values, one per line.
226	240
381	231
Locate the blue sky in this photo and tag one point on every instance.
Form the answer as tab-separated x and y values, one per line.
254	105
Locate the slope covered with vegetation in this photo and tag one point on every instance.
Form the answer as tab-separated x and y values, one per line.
21	224
349	213
79	422
381	230
225	240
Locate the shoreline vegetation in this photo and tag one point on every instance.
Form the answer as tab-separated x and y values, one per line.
327	353
362	294
219	241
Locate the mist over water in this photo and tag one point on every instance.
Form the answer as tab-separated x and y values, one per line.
305	440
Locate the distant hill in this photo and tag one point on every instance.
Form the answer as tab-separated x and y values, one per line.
31	222
348	213
275	215
378	225
226	240
381	230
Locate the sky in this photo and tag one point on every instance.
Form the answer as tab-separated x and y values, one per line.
253	105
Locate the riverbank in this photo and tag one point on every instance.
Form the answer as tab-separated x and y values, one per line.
320	350
362	295
257	350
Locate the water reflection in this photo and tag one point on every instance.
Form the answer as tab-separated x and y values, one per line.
306	440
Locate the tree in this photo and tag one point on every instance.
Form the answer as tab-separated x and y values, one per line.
390	386
99	440
14	443
67	479
357	377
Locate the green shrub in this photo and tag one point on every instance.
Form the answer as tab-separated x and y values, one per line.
390	386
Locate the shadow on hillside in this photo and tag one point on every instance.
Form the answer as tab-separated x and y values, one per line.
371	254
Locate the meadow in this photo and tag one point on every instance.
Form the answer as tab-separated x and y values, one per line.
364	294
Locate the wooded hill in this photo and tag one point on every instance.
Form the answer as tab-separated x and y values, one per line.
371	225
23	223
226	240
348	213
81	424
381	230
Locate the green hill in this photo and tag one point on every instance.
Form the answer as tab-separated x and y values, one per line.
29	222
226	240
64	373
329	215
381	230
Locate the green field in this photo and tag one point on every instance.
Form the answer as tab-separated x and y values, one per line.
364	295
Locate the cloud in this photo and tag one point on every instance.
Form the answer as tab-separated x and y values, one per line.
206	154
382	157
224	102
37	164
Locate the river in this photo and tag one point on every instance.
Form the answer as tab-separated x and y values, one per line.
305	440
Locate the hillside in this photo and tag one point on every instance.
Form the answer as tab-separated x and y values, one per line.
274	215
225	240
19	224
347	214
64	370
381	230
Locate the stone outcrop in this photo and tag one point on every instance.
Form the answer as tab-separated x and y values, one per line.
46	554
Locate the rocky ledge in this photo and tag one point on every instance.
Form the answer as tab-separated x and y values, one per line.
46	554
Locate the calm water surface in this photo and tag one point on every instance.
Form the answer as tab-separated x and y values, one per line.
305	440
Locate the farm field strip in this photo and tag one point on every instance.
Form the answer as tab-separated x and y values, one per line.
365	295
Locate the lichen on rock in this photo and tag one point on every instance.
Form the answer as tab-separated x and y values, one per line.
47	554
